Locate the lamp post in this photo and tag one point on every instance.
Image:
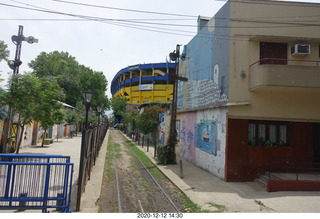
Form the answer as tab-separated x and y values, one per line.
99	109
87	102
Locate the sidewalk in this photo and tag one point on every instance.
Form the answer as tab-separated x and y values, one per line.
199	185
205	189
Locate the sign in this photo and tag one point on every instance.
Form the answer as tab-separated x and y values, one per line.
145	86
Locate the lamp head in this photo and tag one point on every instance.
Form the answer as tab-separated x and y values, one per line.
88	97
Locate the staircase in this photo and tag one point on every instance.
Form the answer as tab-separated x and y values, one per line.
263	179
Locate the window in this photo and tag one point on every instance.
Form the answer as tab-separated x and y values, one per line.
268	133
273	53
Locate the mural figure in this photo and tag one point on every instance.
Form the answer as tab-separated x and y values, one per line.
206	136
162	128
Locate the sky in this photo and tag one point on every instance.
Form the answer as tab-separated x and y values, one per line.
104	35
106	46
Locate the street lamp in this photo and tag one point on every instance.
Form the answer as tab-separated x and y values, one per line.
87	102
99	109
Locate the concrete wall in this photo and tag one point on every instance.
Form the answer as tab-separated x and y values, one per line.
203	139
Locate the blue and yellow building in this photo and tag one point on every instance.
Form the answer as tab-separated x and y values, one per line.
144	83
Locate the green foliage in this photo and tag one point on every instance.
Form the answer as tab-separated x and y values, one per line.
72	77
161	154
4	52
72	116
3	111
149	119
48	109
119	105
131	119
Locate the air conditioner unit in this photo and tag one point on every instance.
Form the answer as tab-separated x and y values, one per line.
300	49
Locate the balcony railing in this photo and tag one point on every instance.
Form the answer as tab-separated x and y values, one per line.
277	61
269	72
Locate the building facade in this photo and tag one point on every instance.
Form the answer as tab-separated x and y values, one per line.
144	83
253	88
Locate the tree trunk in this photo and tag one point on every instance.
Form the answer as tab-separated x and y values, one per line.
20	139
44	136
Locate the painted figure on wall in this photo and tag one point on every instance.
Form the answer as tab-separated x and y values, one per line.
187	135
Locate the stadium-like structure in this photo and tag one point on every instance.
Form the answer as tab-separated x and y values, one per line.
144	83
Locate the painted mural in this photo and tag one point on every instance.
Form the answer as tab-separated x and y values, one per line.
162	128
206	136
27	135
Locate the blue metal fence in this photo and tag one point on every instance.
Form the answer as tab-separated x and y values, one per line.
35	182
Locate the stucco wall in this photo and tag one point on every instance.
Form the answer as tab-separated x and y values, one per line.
203	139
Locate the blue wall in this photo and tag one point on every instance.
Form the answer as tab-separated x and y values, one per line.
208	63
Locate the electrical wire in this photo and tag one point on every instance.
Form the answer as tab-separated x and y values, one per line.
142	25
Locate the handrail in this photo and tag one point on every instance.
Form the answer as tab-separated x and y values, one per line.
289	60
294	164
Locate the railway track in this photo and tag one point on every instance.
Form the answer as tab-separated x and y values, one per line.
129	187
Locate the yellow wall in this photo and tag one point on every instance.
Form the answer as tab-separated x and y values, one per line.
281	102
159	93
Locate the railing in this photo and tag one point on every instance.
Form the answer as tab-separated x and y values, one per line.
91	143
295	165
35	182
284	60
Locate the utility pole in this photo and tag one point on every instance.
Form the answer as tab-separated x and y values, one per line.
14	65
171	155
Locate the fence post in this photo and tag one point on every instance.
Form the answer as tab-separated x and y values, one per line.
142	140
81	170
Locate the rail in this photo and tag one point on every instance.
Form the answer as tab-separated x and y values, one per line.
296	165
35	182
284	60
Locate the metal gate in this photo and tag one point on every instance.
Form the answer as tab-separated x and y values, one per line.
35	182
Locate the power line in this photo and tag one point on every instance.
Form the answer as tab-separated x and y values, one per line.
143	25
125	9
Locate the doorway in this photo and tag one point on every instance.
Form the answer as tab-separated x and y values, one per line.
316	142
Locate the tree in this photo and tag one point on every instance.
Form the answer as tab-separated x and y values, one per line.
64	68
72	77
131	119
72	117
21	100
119	105
48	108
96	82
4	52
149	119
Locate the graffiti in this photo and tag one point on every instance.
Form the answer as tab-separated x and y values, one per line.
187	150
187	136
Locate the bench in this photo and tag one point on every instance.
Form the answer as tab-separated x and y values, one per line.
48	141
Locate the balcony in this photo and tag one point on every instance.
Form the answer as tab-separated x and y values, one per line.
296	74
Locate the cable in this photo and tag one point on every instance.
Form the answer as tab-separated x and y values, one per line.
142	25
124	9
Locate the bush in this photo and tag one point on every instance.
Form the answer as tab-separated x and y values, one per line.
161	154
